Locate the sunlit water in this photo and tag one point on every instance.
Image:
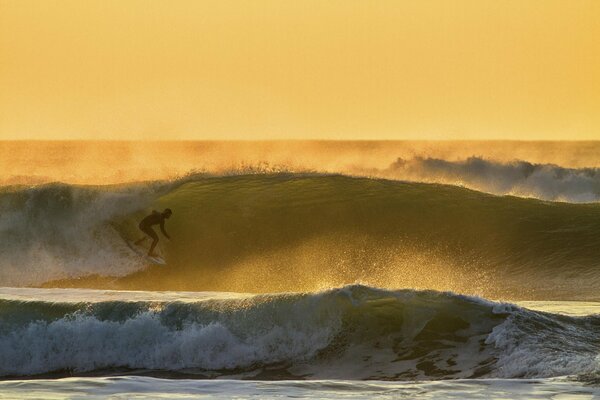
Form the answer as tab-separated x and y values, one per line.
132	387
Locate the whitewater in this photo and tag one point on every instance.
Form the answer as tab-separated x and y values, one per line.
351	342
323	270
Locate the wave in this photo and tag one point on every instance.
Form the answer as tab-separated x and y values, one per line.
355	332
251	233
519	178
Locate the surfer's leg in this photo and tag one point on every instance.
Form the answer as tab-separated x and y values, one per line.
144	229
154	237
149	232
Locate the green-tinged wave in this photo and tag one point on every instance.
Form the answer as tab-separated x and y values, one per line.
280	232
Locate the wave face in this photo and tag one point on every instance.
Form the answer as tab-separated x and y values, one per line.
251	233
519	178
355	332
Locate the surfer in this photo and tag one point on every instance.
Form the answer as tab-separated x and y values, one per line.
146	226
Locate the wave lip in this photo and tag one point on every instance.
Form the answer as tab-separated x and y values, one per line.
354	332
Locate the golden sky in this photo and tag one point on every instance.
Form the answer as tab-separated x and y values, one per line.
306	69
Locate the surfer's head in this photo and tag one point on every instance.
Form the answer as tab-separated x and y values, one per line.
167	213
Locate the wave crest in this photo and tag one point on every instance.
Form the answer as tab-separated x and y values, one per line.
519	178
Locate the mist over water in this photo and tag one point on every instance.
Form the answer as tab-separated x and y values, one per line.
106	162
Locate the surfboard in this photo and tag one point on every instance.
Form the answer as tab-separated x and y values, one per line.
140	251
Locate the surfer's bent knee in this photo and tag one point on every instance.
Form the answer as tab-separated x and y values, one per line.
149	231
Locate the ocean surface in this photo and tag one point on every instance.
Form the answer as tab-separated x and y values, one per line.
301	269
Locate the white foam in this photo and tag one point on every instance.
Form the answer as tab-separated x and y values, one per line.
57	231
86	343
541	349
519	178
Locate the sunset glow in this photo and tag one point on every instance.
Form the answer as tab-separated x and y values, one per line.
273	69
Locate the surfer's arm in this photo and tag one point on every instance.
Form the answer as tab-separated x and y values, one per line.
162	228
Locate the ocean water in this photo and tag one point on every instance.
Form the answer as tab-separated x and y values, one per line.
350	342
323	270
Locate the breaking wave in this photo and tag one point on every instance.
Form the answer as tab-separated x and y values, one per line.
355	332
519	178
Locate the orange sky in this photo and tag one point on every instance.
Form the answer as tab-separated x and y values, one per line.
310	69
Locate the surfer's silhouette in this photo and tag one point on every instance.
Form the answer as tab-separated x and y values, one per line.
146	226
